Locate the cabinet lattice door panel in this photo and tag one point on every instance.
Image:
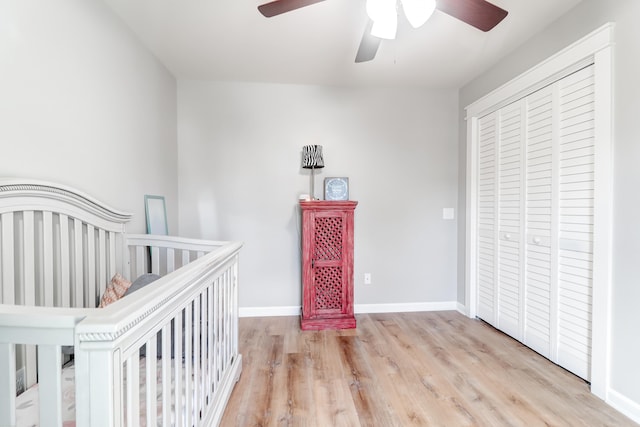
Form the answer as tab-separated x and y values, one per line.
535	206
327	265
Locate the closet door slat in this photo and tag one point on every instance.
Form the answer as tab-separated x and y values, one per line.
487	218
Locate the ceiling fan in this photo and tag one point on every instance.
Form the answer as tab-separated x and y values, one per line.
383	17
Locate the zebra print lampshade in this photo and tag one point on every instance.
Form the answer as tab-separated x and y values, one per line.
312	157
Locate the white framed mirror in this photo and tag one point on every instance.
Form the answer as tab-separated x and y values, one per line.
156	213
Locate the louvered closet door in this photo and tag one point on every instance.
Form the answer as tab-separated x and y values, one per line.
539	300
487	219
575	239
510	196
535	220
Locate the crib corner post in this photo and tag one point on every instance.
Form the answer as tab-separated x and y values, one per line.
98	400
7	384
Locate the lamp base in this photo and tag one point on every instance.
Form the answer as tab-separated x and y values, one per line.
312	193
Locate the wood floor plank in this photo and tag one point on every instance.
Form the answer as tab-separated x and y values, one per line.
410	369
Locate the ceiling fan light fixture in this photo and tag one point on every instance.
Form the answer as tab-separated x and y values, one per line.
385	28
418	11
380	9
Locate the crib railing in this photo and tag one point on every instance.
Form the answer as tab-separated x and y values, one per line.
47	329
163	254
186	325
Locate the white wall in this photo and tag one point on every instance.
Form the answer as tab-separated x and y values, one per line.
83	103
587	16
239	178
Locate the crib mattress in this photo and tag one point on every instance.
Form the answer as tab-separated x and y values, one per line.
27	404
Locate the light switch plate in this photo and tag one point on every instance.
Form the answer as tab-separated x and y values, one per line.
448	213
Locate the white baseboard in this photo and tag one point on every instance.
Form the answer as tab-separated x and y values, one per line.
624	405
269	311
359	308
462	309
405	307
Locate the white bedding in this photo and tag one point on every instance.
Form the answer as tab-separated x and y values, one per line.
27	414
27	404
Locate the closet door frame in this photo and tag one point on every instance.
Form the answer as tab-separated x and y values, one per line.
595	48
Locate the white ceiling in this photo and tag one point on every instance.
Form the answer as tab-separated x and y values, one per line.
231	40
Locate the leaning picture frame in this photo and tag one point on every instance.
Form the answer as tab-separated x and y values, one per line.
336	188
156	214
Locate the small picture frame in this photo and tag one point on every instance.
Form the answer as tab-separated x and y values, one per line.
156	215
336	188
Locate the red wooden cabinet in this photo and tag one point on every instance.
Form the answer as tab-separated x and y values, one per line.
327	265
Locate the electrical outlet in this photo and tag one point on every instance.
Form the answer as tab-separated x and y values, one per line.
367	278
20	381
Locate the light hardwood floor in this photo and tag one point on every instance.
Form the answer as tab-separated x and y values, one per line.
409	369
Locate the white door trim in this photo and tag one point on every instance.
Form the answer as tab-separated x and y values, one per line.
596	48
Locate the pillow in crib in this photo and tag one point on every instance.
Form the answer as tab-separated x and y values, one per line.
115	290
141	282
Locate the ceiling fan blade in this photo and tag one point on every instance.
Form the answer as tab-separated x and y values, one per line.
281	6
477	13
368	45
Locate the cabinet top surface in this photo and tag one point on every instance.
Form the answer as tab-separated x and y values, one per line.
328	204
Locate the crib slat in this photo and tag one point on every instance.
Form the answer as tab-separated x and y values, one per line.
171	260
102	261
113	268
47	240
152	378
78	267
8	289
29	288
140	256
185	257
133	390
188	360
178	369
65	265
227	286
210	338
196	356
7	385
230	314
225	323
155	260
50	384
166	374
29	259
234	305
218	305
91	267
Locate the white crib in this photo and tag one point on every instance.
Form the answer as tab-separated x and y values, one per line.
58	250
